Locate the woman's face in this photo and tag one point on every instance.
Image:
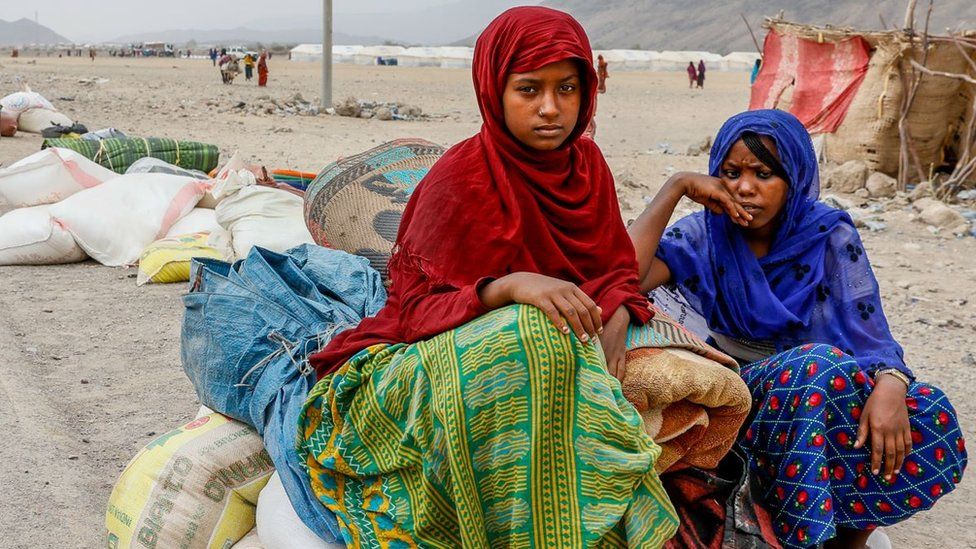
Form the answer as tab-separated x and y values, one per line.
753	185
542	107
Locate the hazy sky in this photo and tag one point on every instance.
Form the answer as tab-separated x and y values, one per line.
108	19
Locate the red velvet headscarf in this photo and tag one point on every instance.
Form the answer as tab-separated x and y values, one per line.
492	206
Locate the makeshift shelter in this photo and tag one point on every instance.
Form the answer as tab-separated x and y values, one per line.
855	88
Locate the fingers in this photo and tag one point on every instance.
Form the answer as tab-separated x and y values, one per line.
891	450
584	315
877	451
572	316
900	452
907	436
862	431
551	311
595	311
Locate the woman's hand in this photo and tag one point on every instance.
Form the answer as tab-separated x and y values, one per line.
563	302
711	192
614	342
885	420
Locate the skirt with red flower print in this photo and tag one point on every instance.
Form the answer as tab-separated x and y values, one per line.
807	404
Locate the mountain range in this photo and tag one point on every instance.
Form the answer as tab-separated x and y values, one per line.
718	27
709	25
25	31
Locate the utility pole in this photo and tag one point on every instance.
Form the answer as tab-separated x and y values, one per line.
326	101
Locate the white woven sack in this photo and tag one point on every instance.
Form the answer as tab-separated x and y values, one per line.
19	102
199	220
115	221
35	120
279	526
47	177
28	236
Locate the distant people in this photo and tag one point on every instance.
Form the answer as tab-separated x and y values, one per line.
213	56
228	67
755	72
692	75
248	66
91	54
263	69
601	77
701	73
601	74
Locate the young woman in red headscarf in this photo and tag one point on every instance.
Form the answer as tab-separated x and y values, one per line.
477	409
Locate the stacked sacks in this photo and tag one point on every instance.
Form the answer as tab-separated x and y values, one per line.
118	154
29	236
356	204
195	235
257	215
115	221
28	233
47	177
194	487
32	111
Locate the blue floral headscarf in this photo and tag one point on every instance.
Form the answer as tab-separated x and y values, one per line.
815	285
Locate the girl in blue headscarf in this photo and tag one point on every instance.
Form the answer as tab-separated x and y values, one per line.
843	438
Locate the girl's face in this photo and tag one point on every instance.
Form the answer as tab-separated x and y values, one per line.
542	107
753	185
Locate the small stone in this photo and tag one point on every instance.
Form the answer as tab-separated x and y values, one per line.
85	440
72	457
349	107
85	382
151	434
940	215
846	178
922	190
862	193
881	185
837	202
384	113
47	310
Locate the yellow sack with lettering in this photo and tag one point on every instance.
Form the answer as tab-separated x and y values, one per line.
167	260
194	487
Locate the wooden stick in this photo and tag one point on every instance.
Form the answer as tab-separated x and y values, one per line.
956	76
910	15
754	40
965	55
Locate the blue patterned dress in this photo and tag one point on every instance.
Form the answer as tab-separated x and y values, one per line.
800	445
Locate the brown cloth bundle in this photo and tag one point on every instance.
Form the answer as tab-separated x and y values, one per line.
689	394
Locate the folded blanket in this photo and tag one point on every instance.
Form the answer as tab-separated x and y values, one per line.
690	395
117	154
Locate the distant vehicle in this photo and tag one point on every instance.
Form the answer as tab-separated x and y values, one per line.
240	51
158	49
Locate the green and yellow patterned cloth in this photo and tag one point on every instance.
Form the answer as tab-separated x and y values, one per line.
117	154
501	433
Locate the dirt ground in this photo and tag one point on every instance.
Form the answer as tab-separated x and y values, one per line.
90	365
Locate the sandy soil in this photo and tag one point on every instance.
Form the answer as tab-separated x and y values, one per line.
89	363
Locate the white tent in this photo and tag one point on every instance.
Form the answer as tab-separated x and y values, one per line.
306	52
461	57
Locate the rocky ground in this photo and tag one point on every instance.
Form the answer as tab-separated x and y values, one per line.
89	363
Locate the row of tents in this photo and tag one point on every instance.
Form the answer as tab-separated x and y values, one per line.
451	57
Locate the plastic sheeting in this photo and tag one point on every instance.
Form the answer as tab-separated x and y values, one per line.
825	78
